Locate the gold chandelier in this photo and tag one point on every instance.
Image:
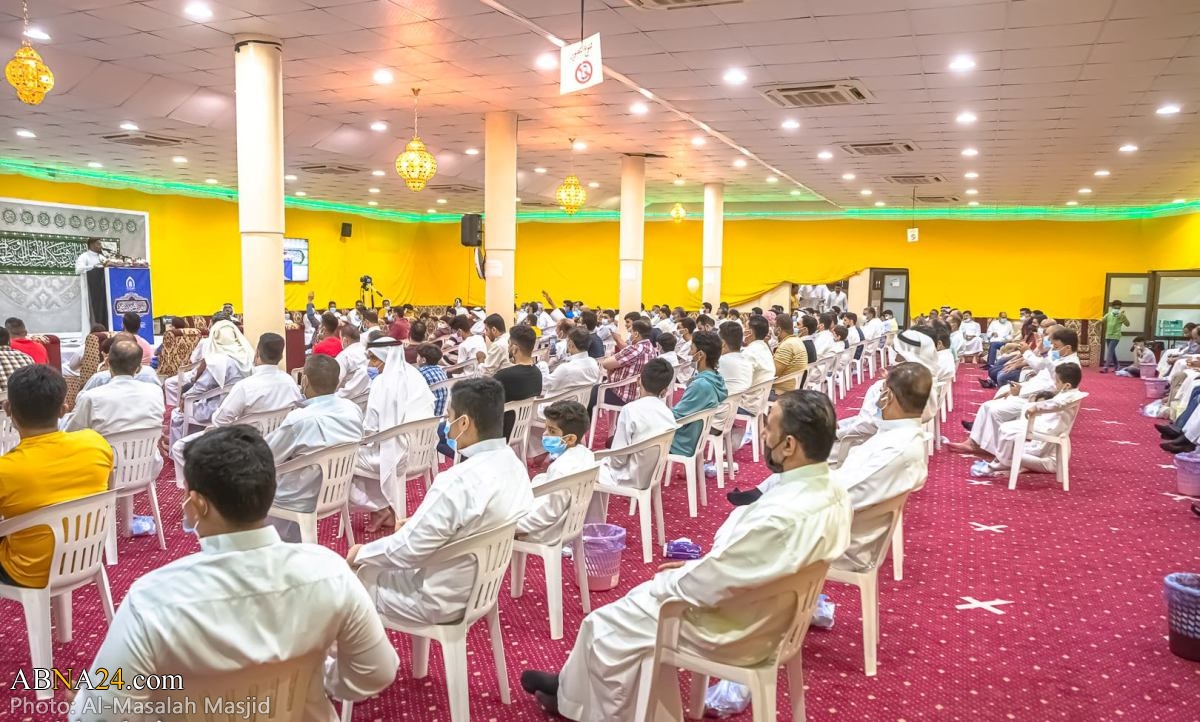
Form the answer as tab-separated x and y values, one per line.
571	195
26	72
416	165
678	212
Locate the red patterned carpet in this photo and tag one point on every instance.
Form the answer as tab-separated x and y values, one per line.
1084	637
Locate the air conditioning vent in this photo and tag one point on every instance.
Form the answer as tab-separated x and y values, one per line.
330	169
454	189
888	147
526	205
144	140
914	179
677	4
824	94
938	199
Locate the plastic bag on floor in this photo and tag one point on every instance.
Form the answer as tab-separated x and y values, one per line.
823	614
142	526
725	699
1155	409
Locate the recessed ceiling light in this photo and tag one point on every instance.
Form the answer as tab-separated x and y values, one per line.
372	203
1168	109
962	63
377	173
94	164
825	155
1128	148
639	108
593	184
36	34
471	151
518	200
211	181
441	201
22	133
972	203
970	152
739	162
539	170
431	210
179	159
678	181
698	140
772	179
383	76
289	177
128	126
379	126
970	175
1085	191
972	192
372	190
790	124
734	76
1072	203
848	176
865	192
1101	173
966	117
795	191
579	145
198	11
301	193
880	204
547	61
1180	200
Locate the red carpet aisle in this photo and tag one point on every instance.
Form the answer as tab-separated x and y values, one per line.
1083	637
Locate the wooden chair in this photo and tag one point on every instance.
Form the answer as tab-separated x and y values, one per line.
336	465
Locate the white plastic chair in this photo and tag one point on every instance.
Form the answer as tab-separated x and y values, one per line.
189	406
880	519
492	551
286	684
602	406
659	695
337	470
581	393
134	457
9	438
80	530
757	419
1063	442
518	439
578	487
856	364
467	368
693	465
420	439
265	421
724	445
649	499
361	400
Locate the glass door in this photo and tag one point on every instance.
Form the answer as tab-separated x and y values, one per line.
1176	301
889	290
1134	291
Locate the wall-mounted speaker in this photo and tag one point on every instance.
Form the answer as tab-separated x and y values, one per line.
471	230
347	230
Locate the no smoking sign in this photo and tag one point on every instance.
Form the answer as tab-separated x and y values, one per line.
580	65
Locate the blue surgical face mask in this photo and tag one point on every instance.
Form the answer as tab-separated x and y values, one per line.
1055	355
554	445
451	441
1046	342
184	520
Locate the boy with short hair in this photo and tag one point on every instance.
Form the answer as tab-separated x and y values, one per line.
567	423
1141	355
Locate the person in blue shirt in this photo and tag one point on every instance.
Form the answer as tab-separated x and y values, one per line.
706	390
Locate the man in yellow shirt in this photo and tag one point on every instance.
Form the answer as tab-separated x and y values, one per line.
790	354
48	466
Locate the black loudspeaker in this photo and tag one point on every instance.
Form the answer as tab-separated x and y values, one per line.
471	228
347	230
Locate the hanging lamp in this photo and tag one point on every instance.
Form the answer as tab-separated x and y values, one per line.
416	165
678	212
26	72
571	195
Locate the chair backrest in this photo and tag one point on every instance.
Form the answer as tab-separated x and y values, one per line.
605	386
705	417
9	438
755	397
523	419
361	400
492	551
1071	413
877	521
135	454
80	528
282	687
464	368
177	348
795	377
448	384
805	585
420	438
579	485
659	445
265	421
337	471
580	393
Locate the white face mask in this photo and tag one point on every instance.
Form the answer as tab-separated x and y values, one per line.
184	520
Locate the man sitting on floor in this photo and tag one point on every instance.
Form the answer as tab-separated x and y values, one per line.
48	466
222	611
804	518
566	424
487	489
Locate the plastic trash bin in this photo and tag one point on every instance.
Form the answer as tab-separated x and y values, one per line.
1187	473
602	547
1182	591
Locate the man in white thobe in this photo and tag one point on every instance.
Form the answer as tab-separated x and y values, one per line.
487	489
578	369
268	388
323	421
353	379
144	374
496	357
803	519
762	362
823	340
90	258
224	610
972	335
872	326
735	367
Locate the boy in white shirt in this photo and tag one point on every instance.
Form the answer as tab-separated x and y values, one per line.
566	424
666	349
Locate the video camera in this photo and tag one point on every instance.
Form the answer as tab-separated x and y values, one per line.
366	282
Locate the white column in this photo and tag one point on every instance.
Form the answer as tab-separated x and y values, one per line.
714	234
633	231
500	210
258	78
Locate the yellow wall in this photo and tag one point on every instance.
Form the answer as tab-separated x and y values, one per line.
986	266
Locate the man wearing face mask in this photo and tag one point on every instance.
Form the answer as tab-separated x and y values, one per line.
999	332
487	489
324	420
566	424
804	518
220	610
497	355
521	379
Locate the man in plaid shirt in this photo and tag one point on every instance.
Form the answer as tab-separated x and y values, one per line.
629	361
10	359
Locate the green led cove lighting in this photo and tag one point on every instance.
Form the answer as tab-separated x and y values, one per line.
975	213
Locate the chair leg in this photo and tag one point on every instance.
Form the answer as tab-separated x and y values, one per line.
795	674
162	541
493	619
110	545
347	711
658	515
105	592
581	576
696	692
516	583
869	590
454	658
644	513
763	694
753	429
554	591
898	549
689	470
346	524
420	657
308	529
1015	463
61	604
632	505
1064	461
658	694
37	626
702	481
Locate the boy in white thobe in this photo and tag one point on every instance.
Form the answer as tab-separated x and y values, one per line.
1053	416
353	379
804	518
578	369
487	489
972	335
566	424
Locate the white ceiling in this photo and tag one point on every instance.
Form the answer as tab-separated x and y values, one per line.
1059	85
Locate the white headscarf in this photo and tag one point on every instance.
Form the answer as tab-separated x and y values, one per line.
225	338
398	394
